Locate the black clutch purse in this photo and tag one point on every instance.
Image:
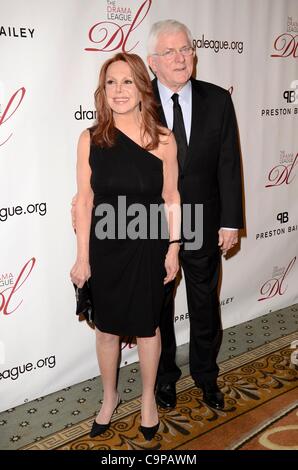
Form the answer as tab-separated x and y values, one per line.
84	302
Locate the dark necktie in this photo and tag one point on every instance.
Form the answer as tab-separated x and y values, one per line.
179	129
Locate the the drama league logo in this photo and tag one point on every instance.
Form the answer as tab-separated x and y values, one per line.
7	112
283	173
118	30
277	285
286	44
11	287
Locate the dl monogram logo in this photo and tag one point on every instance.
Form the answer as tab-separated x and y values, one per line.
283	173
7	112
9	297
285	45
108	36
277	284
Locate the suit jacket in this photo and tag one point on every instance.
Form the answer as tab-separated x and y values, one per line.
211	173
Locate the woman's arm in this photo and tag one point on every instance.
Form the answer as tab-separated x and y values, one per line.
171	197
83	208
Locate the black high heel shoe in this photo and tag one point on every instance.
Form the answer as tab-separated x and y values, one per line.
98	429
149	432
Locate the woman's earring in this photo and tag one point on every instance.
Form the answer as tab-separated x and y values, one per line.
140	105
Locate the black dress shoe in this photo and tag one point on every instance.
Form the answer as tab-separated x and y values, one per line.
212	396
149	432
98	429
166	395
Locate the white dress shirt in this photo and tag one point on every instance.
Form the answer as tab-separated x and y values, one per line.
185	102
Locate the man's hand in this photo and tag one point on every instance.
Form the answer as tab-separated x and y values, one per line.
73	211
227	239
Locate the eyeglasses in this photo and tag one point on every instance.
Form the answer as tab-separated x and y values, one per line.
169	54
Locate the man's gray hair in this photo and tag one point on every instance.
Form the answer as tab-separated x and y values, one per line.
163	27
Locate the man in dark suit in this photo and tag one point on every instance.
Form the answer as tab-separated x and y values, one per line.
203	120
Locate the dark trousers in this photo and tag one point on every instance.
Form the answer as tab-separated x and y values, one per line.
168	371
201	279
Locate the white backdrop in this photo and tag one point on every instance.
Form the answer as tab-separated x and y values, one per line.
48	73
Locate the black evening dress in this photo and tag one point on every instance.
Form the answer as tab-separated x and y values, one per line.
126	274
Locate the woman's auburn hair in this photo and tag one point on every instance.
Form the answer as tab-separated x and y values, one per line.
104	131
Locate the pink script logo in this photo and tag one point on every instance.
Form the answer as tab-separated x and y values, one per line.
7	295
286	44
109	36
282	174
129	342
10	109
275	285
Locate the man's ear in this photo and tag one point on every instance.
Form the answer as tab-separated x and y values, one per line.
151	63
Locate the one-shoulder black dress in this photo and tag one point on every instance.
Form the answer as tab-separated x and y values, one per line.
126	272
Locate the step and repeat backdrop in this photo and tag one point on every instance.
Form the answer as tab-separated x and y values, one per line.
50	56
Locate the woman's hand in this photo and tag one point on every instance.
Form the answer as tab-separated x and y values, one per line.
80	273
172	262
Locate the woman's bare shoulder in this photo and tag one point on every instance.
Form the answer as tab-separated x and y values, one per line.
84	140
85	135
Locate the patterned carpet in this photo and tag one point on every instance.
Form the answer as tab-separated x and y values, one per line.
260	389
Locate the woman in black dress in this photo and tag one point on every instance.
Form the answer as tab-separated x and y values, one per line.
126	166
